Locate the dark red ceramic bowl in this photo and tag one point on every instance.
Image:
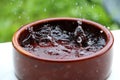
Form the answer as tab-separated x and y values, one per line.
96	66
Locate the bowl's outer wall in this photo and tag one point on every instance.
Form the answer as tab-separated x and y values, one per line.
97	68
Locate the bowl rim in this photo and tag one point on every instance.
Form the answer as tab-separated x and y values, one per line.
104	50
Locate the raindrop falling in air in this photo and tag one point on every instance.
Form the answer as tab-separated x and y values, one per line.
52	0
35	66
23	13
93	6
101	31
76	4
19	17
13	0
79	22
45	10
28	18
81	7
20	3
108	28
11	3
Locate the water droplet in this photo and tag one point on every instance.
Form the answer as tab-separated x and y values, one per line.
78	31
35	66
101	31
11	3
76	4
13	0
15	12
79	22
82	53
104	26
81	7
49	37
50	51
23	12
45	10
92	6
28	18
20	3
108	27
52	0
86	4
79	39
19	17
96	71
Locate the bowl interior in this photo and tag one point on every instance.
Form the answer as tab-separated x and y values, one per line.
68	24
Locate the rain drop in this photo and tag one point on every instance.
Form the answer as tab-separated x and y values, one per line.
96	71
101	31
92	7
52	0
13	0
35	66
76	4
79	22
28	18
81	7
45	10
19	17
79	40
108	27
11	3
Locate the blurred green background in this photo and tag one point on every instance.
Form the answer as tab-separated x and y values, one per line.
15	13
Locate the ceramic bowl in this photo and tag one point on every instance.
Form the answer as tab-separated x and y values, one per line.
96	66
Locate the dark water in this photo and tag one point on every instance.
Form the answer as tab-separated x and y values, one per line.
52	42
